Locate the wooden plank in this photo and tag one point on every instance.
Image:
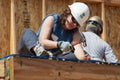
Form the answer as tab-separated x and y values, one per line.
43	8
91	1
107	2
12	40
104	23
112	2
43	69
12	30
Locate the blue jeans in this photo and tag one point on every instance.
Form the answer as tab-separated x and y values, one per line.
29	39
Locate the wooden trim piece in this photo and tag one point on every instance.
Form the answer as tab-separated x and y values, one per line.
11	68
104	23
107	2
12	39
112	3
43	8
91	1
12	30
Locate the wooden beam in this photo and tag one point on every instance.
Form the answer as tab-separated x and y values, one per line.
91	1
107	2
103	19
43	8
12	40
12	29
112	3
44	69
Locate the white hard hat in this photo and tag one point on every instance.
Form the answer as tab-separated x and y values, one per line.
80	12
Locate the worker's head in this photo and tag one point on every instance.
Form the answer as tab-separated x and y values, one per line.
74	16
95	24
80	12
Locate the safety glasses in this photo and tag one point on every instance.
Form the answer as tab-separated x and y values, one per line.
93	23
74	21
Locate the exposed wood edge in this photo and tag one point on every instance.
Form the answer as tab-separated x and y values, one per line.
12	40
12	30
107	2
112	3
11	68
104	23
43	8
92	1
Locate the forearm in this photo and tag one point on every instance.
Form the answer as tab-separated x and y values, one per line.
48	44
79	53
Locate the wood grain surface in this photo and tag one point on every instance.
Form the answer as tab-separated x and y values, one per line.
44	69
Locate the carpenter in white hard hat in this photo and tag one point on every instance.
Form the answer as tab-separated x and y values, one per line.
59	33
80	12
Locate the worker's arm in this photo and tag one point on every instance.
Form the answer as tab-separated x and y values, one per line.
45	33
79	52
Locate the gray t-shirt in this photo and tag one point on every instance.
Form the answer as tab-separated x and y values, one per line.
98	48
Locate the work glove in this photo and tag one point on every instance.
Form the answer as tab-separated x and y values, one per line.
64	46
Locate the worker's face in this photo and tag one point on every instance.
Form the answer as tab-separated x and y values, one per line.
71	23
93	23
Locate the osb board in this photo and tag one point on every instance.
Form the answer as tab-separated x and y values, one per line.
44	69
2	69
28	12
113	27
4	27
57	6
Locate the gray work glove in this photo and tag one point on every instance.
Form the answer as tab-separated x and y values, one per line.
64	46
